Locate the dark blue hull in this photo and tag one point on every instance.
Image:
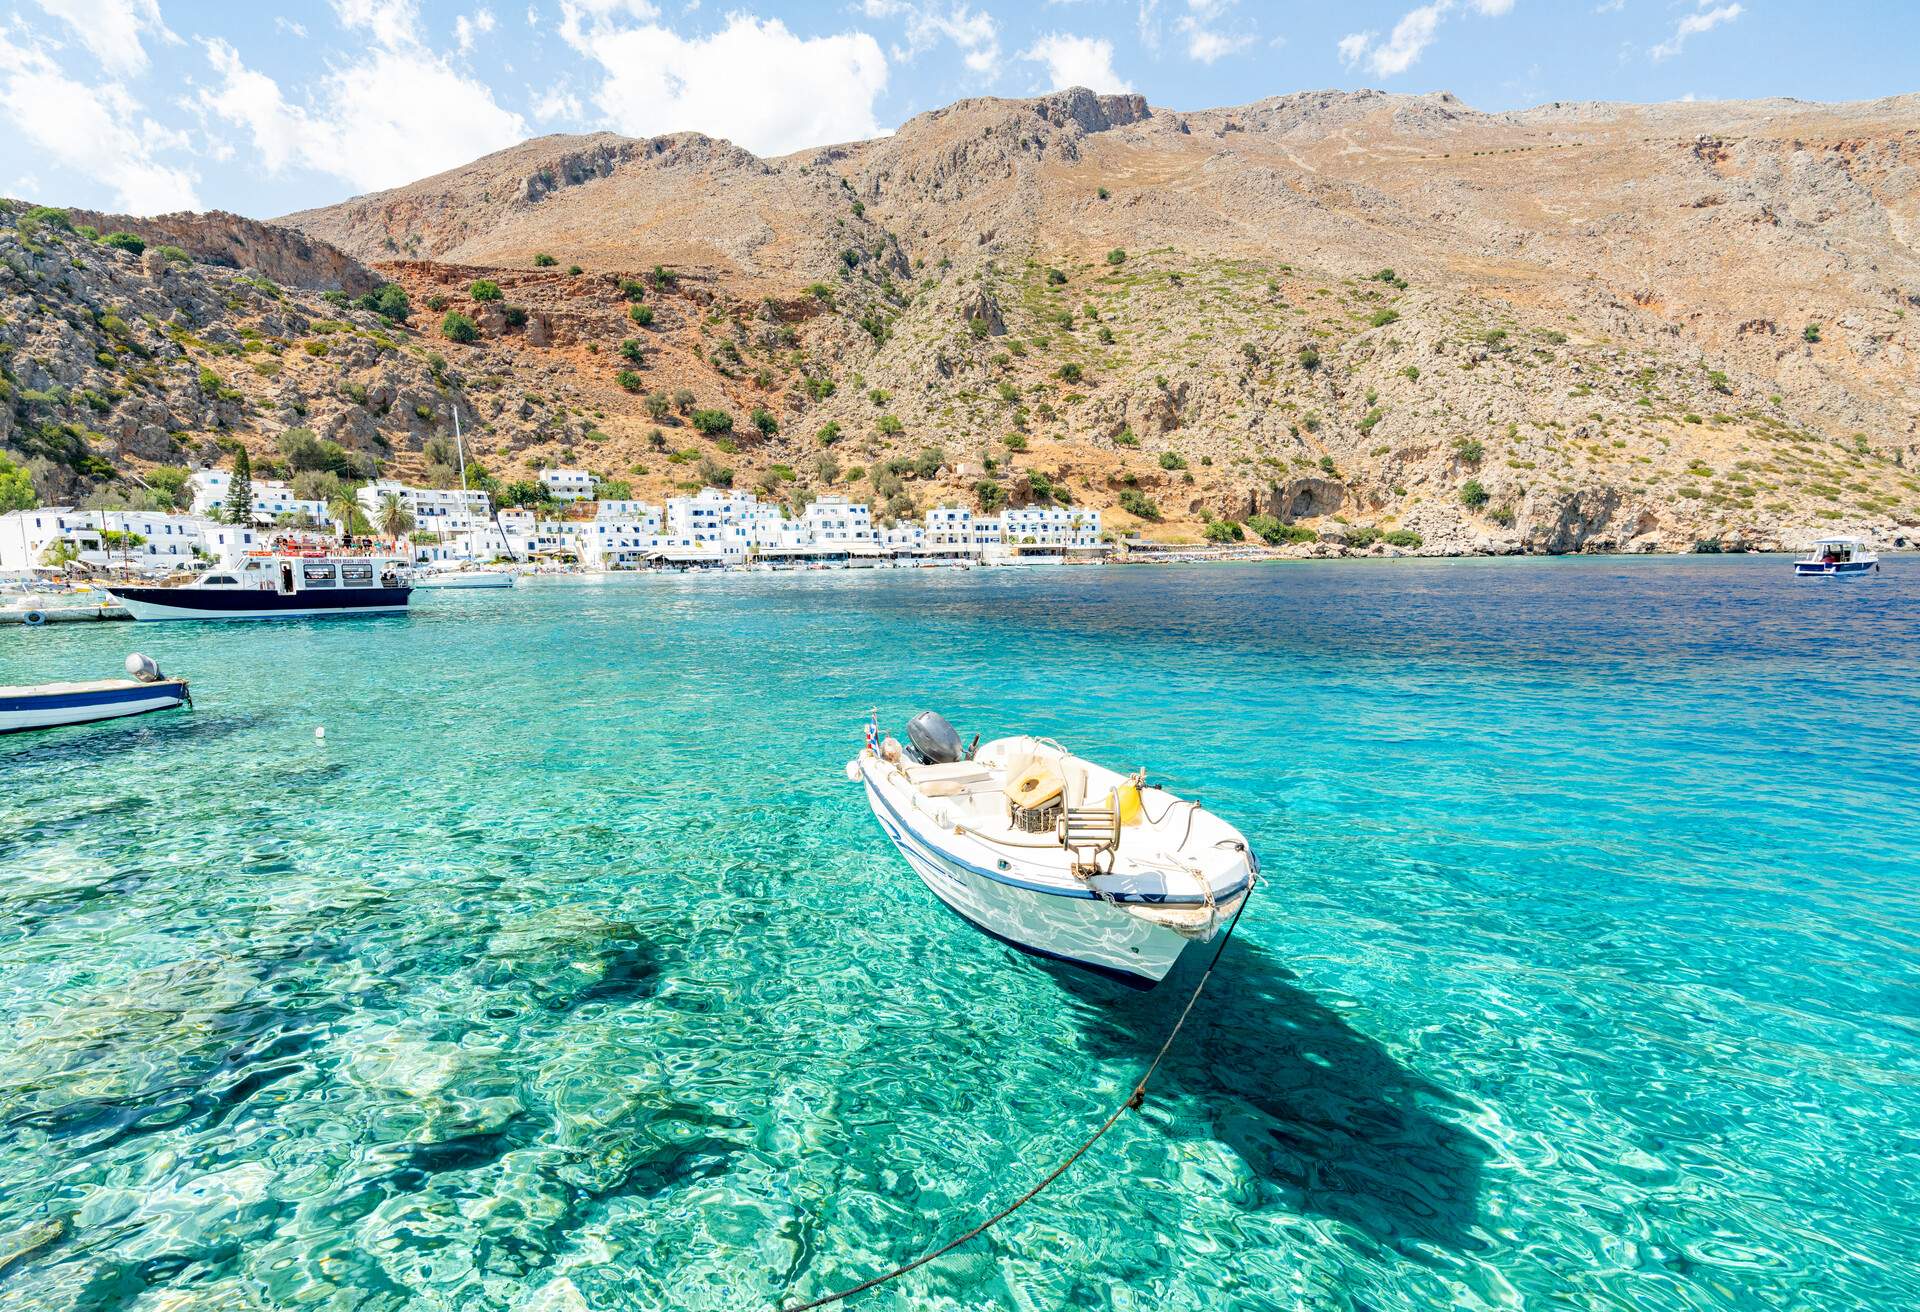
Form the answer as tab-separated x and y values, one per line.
198	603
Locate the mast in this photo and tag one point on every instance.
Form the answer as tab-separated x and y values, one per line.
460	449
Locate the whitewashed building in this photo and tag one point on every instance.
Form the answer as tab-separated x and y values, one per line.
567	484
840	523
148	541
445	511
273	500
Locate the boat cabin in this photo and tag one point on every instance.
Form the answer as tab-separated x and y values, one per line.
289	572
1836	551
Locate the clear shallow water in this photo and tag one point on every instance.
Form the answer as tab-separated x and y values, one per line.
569	971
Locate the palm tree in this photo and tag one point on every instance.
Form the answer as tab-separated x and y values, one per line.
396	521
346	512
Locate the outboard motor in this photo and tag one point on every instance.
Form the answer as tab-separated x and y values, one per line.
934	739
143	668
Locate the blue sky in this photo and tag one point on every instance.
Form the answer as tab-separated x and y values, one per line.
152	105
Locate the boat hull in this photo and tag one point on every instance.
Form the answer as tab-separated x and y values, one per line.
48	710
1083	931
196	603
1839	570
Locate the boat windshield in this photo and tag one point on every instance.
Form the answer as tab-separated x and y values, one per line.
219	581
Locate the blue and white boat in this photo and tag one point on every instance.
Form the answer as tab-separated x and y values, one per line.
1837	558
1054	855
46	705
289	582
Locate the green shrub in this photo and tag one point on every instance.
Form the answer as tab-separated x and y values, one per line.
1225	530
1071	372
829	433
544	261
711	421
457	327
1309	358
990	495
1811	332
174	255
516	316
1172	460
1469	450
630	380
1473	495
1382	317
574	271
1276	532
641	314
1055	278
485	289
389	301
1136	503
1401	537
764	421
124	241
632	351
1116	257
889	426
1015	441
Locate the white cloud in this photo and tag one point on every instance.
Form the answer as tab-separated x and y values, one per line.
98	132
290	27
974	31
1205	41
1077	61
393	23
1410	36
1702	20
467	30
396	115
114	30
1402	48
557	103
753	82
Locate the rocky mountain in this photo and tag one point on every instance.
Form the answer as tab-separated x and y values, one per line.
1362	317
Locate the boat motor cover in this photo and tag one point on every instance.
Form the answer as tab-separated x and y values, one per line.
934	739
143	668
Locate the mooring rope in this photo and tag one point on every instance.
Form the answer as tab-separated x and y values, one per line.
1135	1100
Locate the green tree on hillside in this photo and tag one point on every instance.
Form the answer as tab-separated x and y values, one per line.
238	506
16	487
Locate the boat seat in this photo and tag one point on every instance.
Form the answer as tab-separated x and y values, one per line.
949	780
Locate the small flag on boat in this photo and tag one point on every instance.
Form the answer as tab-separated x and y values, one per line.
873	730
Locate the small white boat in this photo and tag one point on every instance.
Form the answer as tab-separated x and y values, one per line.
46	705
1837	558
1054	855
462	576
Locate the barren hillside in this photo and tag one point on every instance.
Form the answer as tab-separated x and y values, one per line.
1580	326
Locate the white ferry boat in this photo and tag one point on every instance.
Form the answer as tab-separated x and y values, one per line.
1054	855
290	582
1837	558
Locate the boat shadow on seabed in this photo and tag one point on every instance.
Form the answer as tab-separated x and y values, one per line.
1323	1117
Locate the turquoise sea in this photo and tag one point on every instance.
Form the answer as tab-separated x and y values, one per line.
569	972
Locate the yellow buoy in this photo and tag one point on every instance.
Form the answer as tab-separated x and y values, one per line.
1126	800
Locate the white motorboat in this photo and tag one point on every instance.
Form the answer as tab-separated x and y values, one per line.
1837	558
1054	855
47	705
462	576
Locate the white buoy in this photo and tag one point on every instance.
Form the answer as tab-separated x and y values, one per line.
320	732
